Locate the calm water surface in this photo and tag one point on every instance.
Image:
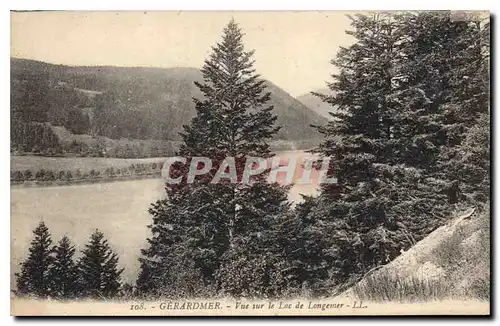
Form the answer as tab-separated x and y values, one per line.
118	209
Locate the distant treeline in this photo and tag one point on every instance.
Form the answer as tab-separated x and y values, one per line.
122	148
34	138
42	175
38	138
36	96
41	98
130	103
104	102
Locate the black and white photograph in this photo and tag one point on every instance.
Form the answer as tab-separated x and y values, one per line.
250	163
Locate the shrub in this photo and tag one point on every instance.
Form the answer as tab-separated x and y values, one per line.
93	174
40	175
127	292
61	175
17	176
480	289
28	175
110	172
448	252
255	277
49	176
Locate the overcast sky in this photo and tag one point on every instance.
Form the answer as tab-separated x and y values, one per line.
293	49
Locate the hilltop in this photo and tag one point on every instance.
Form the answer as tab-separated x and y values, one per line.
316	104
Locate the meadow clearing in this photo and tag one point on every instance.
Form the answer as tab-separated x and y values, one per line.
84	164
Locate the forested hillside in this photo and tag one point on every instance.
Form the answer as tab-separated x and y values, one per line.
118	102
316	104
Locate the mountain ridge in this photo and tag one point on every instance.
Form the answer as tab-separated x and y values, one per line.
146	102
316	104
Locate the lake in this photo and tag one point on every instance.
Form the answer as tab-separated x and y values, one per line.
118	209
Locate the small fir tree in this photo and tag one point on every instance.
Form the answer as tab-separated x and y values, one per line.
34	276
99	275
63	272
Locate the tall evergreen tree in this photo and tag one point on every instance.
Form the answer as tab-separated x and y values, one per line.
34	277
99	275
306	245
397	94
354	214
470	165
204	227
63	272
445	60
464	160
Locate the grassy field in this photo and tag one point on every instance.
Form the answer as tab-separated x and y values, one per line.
84	164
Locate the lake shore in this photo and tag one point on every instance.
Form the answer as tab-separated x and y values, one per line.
99	164
117	206
59	183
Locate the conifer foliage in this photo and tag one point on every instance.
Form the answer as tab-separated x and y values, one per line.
51	271
410	143
98	269
34	277
407	91
63	272
206	234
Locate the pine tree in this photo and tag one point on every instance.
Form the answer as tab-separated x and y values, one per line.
204	226
353	215
306	244
99	275
471	163
464	160
445	60
398	91
34	277
63	272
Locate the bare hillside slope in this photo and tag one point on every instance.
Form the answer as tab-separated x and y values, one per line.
453	262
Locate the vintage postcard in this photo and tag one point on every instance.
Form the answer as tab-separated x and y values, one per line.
250	163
